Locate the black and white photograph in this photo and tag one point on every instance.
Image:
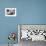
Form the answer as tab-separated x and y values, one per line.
29	34
10	11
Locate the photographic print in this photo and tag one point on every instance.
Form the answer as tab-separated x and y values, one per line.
33	32
10	11
29	34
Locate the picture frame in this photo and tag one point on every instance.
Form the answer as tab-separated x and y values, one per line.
10	12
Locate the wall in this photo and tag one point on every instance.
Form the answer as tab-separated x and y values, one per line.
28	12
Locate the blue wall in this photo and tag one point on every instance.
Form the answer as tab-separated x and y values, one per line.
28	12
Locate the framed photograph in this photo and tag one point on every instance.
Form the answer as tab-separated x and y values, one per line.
31	32
10	11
